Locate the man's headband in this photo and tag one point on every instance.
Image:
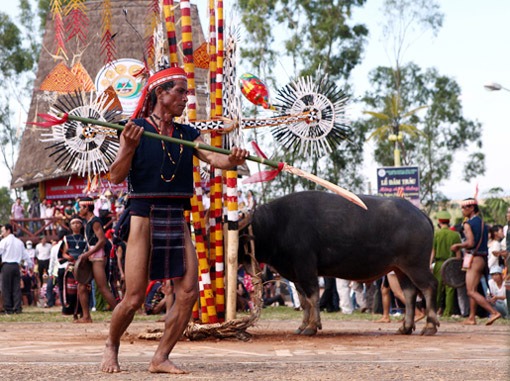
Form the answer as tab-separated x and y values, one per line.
144	108
77	219
469	202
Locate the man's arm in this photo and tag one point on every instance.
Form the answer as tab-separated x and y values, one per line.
237	156
25	257
129	140
467	244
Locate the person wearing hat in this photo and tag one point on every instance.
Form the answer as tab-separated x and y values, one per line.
444	238
161	186
475	244
31	255
497	291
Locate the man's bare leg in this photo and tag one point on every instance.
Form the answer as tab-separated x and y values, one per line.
473	277
177	318
137	259
83	299
102	283
386	301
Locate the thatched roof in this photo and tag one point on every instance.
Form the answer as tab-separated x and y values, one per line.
34	164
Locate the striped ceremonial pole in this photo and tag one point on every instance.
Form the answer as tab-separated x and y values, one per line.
206	293
168	9
194	313
231	176
212	58
219	59
187	51
232	244
203	265
207	298
216	226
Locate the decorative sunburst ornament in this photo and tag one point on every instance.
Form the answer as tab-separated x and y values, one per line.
82	147
326	125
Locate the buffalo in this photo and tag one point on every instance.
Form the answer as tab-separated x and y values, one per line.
310	234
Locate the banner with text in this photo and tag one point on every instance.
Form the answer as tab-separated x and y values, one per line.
65	188
399	182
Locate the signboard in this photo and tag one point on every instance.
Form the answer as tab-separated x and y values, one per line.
121	75
399	182
63	188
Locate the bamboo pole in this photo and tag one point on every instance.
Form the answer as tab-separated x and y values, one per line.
232	246
51	120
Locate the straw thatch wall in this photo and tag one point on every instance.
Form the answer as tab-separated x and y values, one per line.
34	166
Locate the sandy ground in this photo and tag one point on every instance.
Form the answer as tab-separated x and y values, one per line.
343	350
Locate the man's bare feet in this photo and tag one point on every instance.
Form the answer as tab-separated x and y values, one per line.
110	363
493	318
82	321
384	319
165	367
469	322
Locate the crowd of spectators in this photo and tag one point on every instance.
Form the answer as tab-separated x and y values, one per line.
45	270
51	216
43	282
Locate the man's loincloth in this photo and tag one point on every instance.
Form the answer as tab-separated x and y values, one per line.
167	239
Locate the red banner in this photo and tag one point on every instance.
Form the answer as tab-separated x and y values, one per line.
65	188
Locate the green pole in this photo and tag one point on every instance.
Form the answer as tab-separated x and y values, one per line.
170	139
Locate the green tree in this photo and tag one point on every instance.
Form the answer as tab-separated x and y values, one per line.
495	206
393	125
318	34
19	50
445	131
5	205
405	21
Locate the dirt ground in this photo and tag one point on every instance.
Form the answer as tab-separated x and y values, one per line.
343	350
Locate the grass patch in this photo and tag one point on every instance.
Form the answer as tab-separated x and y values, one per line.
54	315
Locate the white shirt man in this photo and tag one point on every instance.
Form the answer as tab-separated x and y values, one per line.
12	249
43	250
13	252
43	254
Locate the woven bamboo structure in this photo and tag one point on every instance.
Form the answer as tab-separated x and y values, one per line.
34	166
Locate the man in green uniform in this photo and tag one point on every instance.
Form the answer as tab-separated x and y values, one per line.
444	238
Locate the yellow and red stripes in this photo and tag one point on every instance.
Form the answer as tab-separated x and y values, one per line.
219	59
187	51
207	304
168	9
212	58
216	232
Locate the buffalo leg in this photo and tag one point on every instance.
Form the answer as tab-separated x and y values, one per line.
427	284
311	312
410	293
305	305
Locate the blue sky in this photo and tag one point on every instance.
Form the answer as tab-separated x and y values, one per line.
472	47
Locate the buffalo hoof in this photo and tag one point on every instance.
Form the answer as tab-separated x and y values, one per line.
309	332
429	331
403	330
298	331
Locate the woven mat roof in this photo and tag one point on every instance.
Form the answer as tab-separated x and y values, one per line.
34	164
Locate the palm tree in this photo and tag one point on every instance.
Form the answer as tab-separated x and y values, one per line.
394	127
495	206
